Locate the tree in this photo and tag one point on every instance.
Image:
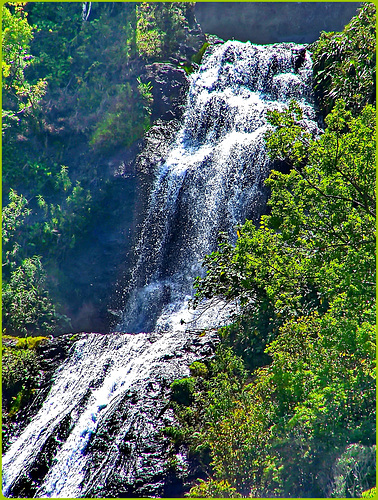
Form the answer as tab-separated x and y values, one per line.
27	308
305	283
318	240
344	63
289	431
26	305
13	217
20	97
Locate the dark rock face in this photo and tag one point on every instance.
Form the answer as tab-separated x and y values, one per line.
137	452
156	145
170	86
153	150
263	23
92	268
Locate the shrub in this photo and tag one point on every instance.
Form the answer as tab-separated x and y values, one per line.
18	366
213	489
198	369
127	118
183	390
27	307
344	63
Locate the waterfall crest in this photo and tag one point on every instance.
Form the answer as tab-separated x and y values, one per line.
98	427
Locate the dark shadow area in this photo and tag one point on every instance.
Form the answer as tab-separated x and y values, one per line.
265	23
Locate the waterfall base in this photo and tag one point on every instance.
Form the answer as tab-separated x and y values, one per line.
100	431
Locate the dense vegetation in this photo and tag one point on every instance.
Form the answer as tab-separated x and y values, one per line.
74	92
287	406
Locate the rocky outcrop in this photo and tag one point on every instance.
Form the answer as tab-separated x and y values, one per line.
170	86
131	457
156	144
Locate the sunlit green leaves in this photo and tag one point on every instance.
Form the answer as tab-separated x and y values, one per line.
13	217
20	98
27	308
305	278
319	239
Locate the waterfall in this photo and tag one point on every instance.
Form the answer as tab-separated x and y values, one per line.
213	177
98	433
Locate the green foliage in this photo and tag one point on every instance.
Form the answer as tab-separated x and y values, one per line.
70	83
199	55
20	97
319	391
280	434
128	119
176	434
213	489
251	332
13	217
182	390
19	366
208	395
344	63
149	38
369	493
30	342
195	60
161	28
317	242
325	213
89	67
50	228
56	28
198	369
21	376
27	307
62	224
145	91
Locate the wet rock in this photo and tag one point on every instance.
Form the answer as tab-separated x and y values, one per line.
136	459
170	86
51	354
28	483
156	145
128	453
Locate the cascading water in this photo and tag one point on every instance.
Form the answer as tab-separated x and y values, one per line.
97	433
213	177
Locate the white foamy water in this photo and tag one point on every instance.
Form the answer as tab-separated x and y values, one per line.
213	177
100	371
